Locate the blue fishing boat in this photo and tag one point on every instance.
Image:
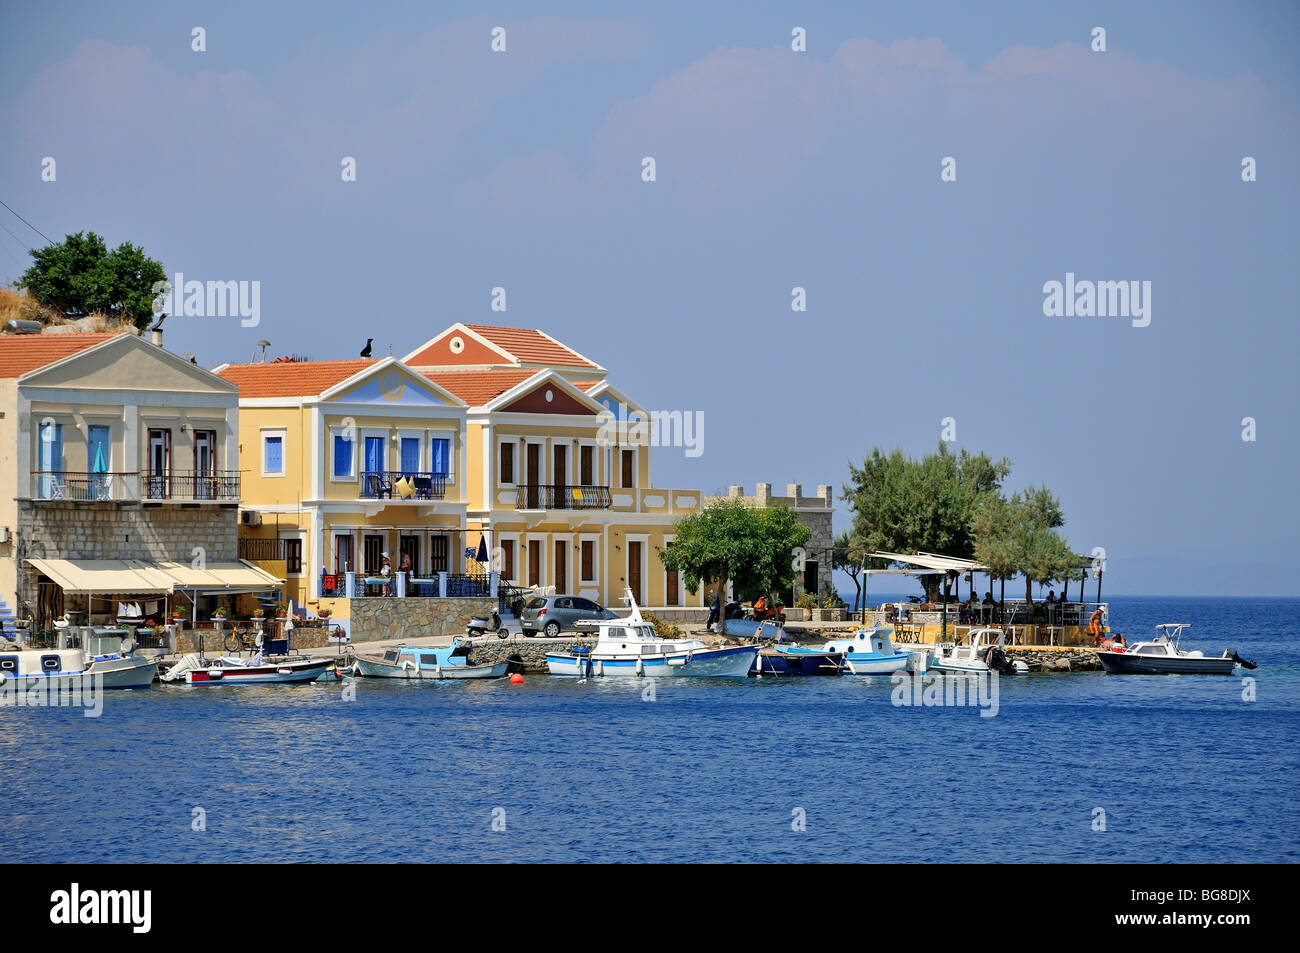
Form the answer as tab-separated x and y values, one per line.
869	651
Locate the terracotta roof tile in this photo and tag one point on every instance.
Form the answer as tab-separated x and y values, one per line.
530	346
291	379
20	353
478	387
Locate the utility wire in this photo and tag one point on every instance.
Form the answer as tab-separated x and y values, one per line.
48	240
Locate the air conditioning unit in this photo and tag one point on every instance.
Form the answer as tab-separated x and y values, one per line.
249	518
4	534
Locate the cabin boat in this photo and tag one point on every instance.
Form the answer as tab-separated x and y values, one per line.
105	662
870	651
418	663
629	647
1163	656
257	670
982	652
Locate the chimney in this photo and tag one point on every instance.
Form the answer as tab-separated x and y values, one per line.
157	337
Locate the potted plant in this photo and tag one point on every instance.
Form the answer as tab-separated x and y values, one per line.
802	608
282	609
324	613
832	607
219	615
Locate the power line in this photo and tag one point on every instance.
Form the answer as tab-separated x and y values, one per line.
48	240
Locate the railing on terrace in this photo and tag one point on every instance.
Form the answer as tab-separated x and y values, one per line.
402	485
85	487
192	485
562	496
371	585
262	549
1012	612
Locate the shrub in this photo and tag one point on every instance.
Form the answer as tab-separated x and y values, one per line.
665	630
806	601
831	599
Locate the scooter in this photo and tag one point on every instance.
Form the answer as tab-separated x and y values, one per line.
478	625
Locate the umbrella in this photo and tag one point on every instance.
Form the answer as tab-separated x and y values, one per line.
100	465
482	555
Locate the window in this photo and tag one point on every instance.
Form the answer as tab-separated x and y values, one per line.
588	560
372	553
342	455
441	451
51	461
507	559
438	549
411	455
273	454
343	554
507	463
629	460
586	466
375	456
293	557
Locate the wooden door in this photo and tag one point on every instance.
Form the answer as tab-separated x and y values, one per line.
672	595
534	562
634	569
532	477
559	467
561	567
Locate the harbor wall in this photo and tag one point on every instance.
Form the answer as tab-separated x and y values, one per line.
378	618
532	652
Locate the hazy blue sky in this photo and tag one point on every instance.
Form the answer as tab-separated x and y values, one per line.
775	169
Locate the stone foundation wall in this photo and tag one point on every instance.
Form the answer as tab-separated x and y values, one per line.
532	652
375	619
1056	660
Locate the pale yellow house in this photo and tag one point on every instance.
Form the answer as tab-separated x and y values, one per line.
120	479
346	463
558	484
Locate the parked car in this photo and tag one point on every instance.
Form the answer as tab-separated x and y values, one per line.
551	615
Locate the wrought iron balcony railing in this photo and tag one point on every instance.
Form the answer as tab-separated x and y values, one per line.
192	485
402	485
562	496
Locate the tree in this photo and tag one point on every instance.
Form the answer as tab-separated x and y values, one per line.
904	505
80	276
846	556
730	540
1019	535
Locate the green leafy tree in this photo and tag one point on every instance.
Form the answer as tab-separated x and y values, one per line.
80	276
904	505
729	540
1020	535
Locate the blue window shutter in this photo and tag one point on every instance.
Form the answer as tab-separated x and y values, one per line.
440	455
410	455
274	454
374	454
342	456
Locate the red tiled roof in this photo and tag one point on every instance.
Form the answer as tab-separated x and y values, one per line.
291	379
477	388
20	353
586	385
530	346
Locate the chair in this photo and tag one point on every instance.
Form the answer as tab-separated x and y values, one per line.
423	488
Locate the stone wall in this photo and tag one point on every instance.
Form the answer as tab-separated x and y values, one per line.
815	512
156	532
375	618
531	652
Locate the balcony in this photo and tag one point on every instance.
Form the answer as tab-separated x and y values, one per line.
402	485
561	496
218	485
85	487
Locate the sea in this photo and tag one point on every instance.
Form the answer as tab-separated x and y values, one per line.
1082	767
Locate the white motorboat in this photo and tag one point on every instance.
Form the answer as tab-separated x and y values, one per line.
105	662
870	651
1164	656
983	651
629	647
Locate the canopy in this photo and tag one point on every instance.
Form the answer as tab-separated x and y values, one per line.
141	577
928	561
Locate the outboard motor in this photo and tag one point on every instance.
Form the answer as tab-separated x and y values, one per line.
1244	663
997	660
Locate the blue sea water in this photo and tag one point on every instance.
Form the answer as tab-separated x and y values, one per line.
1184	768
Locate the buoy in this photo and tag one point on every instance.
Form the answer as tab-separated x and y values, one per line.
516	679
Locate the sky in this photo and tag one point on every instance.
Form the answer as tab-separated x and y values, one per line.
775	169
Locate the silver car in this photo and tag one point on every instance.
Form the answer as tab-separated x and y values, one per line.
551	615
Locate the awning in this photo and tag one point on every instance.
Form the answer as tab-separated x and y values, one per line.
930	561
105	576
139	577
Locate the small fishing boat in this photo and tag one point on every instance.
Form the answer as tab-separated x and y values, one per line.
257	670
1164	656
797	660
982	652
870	651
418	662
629	647
105	662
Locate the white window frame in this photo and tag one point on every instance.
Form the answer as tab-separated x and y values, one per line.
384	434
513	538
513	443
594	539
403	434
265	434
595	462
301	536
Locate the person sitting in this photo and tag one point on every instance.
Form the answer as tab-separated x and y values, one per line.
761	611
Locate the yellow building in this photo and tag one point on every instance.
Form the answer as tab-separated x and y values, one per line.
346	462
559	470
483	435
